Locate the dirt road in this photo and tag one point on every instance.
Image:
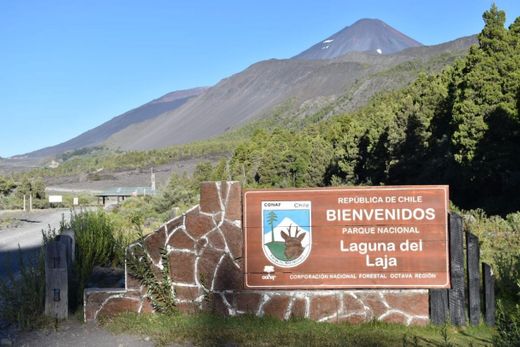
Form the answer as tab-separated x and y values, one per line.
27	235
74	333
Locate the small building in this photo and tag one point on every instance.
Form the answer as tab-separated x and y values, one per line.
121	193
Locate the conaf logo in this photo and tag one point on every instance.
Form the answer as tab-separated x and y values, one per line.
286	232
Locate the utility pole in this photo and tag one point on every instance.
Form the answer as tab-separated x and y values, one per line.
30	202
153	179
24	203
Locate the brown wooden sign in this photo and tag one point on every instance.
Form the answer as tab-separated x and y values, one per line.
369	237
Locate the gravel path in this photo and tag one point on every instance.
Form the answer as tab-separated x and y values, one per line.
27	235
77	334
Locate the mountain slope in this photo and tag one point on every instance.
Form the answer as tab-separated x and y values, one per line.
237	100
253	93
366	35
300	86
99	134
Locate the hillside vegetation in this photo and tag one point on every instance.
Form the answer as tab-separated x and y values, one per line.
95	159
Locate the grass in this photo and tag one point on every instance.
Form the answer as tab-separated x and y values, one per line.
212	330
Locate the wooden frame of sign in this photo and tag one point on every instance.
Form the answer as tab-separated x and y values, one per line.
359	237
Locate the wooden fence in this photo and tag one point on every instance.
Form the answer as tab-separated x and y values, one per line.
463	300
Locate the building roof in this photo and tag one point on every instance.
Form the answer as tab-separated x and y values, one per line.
127	191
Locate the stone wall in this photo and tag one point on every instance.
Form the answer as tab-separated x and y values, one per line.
204	247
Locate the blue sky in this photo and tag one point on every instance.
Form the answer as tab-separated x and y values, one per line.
68	66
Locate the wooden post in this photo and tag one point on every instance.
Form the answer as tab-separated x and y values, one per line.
67	239
473	268
489	294
56	281
456	293
70	233
30	202
24	203
438	306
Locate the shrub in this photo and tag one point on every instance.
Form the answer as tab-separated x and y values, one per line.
507	265
99	242
500	246
160	290
137	212
508	327
95	244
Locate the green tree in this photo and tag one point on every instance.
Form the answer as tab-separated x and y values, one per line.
489	80
271	218
7	186
179	192
203	172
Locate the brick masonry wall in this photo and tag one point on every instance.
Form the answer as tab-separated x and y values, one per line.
204	248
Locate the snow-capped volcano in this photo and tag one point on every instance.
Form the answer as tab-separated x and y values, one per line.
365	35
